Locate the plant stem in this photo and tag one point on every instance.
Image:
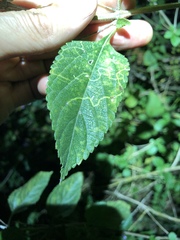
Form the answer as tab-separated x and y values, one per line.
150	9
117	14
166	19
144	176
143	206
177	159
176	18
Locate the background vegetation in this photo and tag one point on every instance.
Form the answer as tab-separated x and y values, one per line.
131	182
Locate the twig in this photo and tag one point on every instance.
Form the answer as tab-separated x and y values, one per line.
145	236
176	17
177	159
157	223
136	235
166	19
137	220
143	206
144	176
172	204
137	209
11	171
154	83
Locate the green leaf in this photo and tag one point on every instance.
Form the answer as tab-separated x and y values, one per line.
108	214
175	40
152	238
122	207
158	162
149	58
65	196
154	107
30	192
172	236
173	34
131	101
126	172
121	22
168	34
85	86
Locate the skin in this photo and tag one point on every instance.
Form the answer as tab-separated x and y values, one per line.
30	40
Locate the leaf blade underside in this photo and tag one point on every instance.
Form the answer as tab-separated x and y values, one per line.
85	86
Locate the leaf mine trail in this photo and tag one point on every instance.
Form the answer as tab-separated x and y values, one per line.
86	84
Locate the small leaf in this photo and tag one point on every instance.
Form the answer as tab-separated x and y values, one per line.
175	40
131	101
85	86
168	34
121	22
108	214
154	107
122	207
126	172
158	162
172	236
173	34
30	192
65	196
149	58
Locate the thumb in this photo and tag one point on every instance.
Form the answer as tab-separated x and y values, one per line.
43	29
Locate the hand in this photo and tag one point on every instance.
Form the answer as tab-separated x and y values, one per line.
30	40
137	34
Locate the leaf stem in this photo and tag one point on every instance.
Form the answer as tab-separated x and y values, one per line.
150	9
117	14
176	17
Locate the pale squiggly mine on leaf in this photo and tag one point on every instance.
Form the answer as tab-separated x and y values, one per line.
86	84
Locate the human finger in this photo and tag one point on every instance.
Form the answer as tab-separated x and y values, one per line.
128	4
23	68
124	4
132	36
43	29
17	94
129	36
20	68
137	34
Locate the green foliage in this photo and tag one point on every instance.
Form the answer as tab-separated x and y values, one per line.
60	204
29	193
84	90
154	106
172	236
65	196
173	33
108	214
121	22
